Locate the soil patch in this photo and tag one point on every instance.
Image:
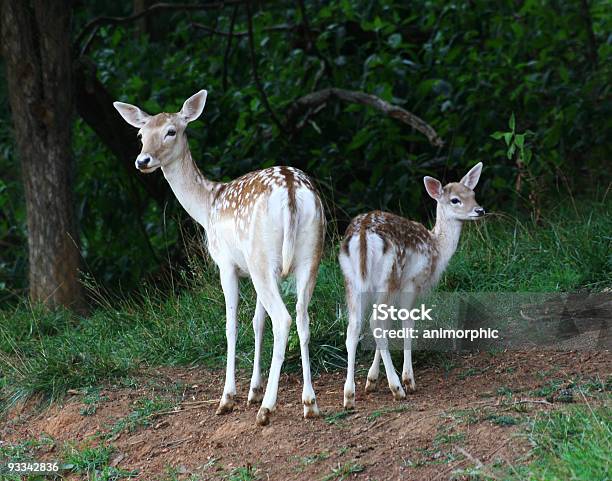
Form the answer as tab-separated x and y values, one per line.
464	413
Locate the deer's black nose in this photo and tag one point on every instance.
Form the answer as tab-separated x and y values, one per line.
480	211
140	163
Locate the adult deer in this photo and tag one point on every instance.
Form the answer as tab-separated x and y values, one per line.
383	255
265	224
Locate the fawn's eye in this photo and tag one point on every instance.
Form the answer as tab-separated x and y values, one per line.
171	133
455	201
139	136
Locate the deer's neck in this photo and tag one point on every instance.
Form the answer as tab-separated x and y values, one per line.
194	191
446	235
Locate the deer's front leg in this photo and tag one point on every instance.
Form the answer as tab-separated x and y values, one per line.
372	380
229	283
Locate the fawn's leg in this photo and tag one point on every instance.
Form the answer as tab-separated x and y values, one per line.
352	339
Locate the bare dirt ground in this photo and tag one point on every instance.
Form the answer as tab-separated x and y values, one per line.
462	414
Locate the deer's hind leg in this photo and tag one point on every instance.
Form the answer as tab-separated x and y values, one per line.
305	278
259	322
384	352
407	372
353	330
266	286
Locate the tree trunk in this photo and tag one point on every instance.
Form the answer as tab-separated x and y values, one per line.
142	24
37	51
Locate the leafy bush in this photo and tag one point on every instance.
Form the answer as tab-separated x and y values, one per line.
464	67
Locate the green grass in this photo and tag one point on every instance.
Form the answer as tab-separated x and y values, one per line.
90	461
381	412
92	399
343	471
47	353
503	419
570	250
23	451
305	461
243	473
141	416
338	418
570	444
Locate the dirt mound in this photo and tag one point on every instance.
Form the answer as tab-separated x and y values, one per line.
461	414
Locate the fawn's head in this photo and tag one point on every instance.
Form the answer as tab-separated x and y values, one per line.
457	199
162	135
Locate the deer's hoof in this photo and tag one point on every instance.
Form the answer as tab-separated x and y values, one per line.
226	405
311	410
263	416
349	401
255	396
409	385
398	392
371	385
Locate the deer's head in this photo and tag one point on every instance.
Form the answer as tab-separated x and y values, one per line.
457	200
162	135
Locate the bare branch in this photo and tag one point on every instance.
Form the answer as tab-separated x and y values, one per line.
273	28
155	8
89	41
264	97
321	97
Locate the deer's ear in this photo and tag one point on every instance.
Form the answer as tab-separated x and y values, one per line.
193	106
471	178
132	114
433	187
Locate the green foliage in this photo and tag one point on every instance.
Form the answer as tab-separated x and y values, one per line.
464	67
515	142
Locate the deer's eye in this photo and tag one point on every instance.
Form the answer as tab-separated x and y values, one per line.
171	133
139	136
455	201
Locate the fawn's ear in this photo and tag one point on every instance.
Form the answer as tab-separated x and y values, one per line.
433	187
471	178
193	106
132	114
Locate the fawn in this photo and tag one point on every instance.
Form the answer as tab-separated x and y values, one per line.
265	225
388	254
